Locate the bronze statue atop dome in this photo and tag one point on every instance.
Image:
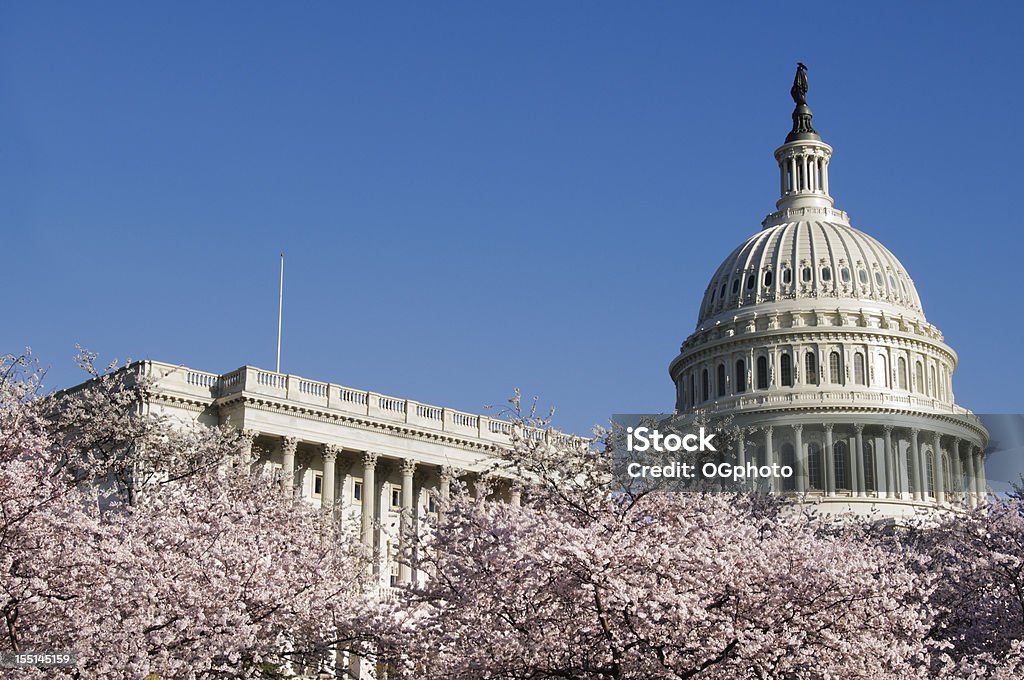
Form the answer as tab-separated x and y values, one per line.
802	128
799	89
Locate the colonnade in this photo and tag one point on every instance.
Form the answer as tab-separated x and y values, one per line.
868	461
366	481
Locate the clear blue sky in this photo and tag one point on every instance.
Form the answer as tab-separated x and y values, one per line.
477	196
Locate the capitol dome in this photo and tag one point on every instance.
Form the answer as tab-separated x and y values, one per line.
812	340
797	258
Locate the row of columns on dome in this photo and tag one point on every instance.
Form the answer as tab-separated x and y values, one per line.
387	496
877	461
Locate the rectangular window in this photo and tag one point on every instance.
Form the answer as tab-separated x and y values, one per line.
431	504
357	491
396	496
318	485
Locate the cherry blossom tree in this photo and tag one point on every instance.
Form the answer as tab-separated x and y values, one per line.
148	548
587	582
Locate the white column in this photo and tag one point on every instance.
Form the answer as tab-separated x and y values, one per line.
769	456
861	487
958	470
741	452
801	458
408	468
824	175
890	466
515	496
330	455
367	516
830	462
940	479
979	474
915	463
245	445
288	447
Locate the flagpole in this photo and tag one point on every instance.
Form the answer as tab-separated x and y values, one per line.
280	309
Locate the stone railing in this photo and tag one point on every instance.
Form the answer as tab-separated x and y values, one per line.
293	388
854	398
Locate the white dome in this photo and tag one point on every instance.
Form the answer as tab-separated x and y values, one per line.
819	259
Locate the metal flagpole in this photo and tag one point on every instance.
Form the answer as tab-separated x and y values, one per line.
280	309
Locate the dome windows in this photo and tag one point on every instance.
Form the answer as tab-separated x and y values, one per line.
786	370
768	278
826	273
835	373
705	392
721	293
858	368
878	279
892	283
844	274
901	373
741	376
811	364
751	280
787	276
805	275
721	380
735	286
863	276
762	373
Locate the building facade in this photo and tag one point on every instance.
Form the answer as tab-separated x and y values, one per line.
812	337
375	460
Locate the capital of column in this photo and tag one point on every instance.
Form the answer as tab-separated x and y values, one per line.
447	472
249	436
858	428
407	466
370	459
798	427
289	445
914	431
888	430
330	452
829	426
768	429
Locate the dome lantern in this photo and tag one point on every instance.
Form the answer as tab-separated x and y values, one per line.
803	159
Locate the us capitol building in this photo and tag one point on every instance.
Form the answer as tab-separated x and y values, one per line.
812	337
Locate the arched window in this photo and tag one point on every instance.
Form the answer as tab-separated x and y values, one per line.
788	483
933	387
721	293
814	466
869	466
929	474
786	370
834	372
901	372
721	380
858	368
693	389
839	461
741	376
881	370
704	391
919	376
762	373
811	364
